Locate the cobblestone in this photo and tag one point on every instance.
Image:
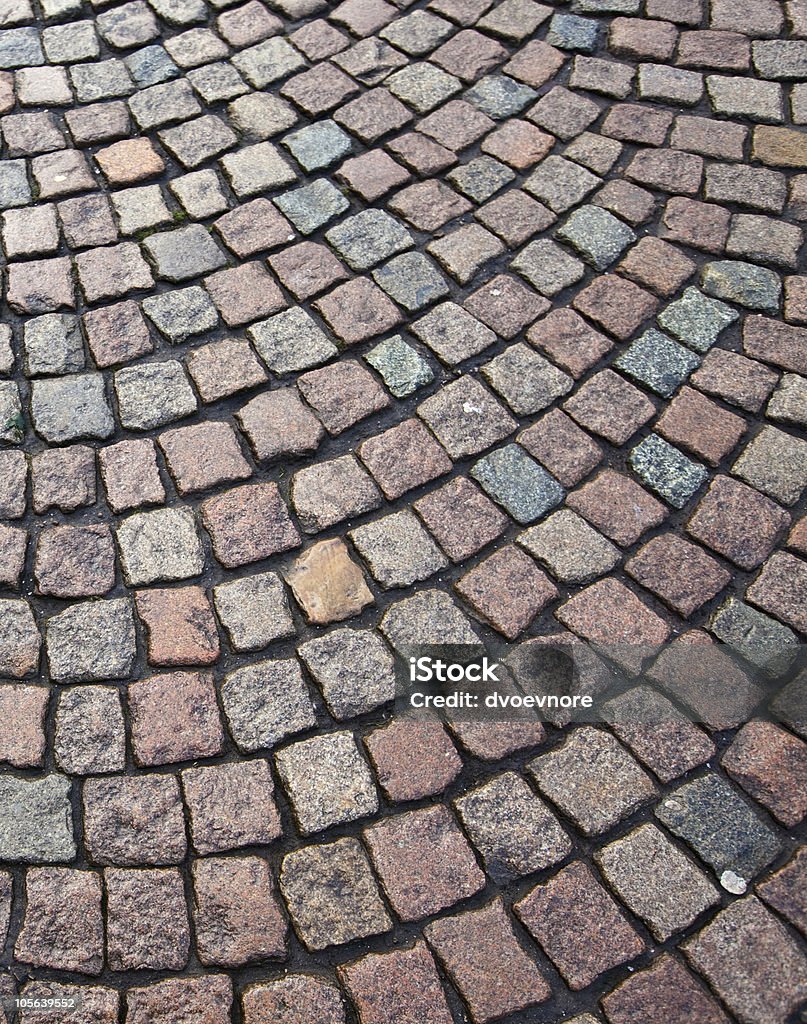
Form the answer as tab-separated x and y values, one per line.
583	223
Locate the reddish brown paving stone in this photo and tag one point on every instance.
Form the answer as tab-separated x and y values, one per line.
796	299
130	474
469	54
236	913
642	39
174	718
424	862
203	456
740	381
129	161
22	717
63	924
579	926
134	820
246	293
657	733
342	394
681	574
771	766
569	340
633	122
363	17
714	49
508	589
751	962
506	305
562	447
401	987
327	584
797	538
40	286
608	613
322	88
773	342
626	200
75	561
701	225
737	521
519	144
413	759
404	457
723	140
249	523
179	625
485	960
667	170
294	999
223	368
665	991
491	741
461	518
207	998
231	805
689	677
307	268
786	890
277	423
99	1004
422	155
609	406
781	589
658	265
700	426
373	114
253	227
514	216
456	125
535	63
617	506
428	205
147	919
358	310
616	304
117	334
373	174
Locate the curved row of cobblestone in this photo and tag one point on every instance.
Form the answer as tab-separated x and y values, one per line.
333	328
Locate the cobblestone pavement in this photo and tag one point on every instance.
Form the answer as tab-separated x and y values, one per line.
329	328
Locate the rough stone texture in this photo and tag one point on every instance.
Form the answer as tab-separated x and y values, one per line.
734	839
63	925
402	986
424	862
593	779
36	825
134	821
657	882
484	959
236	912
737	953
147	919
513	830
232	497
578	925
332	895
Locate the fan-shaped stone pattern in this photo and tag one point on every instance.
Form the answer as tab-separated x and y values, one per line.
330	328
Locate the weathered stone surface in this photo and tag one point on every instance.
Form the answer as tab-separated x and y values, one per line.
36	820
